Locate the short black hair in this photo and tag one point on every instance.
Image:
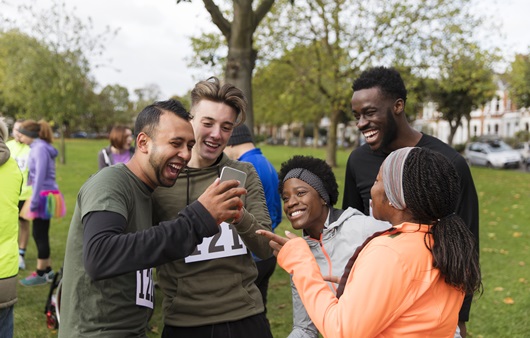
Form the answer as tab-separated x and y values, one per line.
388	80
149	117
318	167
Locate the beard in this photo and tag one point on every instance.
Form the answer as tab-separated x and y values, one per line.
158	166
389	133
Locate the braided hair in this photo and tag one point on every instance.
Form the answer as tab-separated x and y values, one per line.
431	189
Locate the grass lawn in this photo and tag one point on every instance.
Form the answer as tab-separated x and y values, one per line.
502	311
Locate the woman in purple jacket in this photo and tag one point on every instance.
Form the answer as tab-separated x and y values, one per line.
46	200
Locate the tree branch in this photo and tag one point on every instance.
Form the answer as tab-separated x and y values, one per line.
218	19
263	8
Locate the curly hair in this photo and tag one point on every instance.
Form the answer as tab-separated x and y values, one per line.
388	80
318	167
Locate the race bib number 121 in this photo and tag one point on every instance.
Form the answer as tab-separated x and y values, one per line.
225	243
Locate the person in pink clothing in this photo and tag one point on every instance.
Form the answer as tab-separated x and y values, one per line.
408	281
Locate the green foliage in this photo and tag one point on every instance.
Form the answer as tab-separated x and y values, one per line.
504	199
293	82
45	73
460	147
465	82
329	42
38	83
519	78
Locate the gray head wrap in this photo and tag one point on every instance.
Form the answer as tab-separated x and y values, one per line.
393	176
311	179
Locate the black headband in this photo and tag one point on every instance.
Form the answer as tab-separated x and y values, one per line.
28	133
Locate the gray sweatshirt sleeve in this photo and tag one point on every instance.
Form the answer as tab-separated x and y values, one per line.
303	327
108	252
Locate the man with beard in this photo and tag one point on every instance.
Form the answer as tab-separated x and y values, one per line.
112	246
378	105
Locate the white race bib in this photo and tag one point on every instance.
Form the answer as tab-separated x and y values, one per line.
225	243
145	289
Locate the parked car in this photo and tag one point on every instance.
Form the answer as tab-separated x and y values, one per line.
493	154
524	149
80	134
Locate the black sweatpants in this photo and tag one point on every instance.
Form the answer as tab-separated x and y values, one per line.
254	326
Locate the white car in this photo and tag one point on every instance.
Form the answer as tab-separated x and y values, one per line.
524	149
492	154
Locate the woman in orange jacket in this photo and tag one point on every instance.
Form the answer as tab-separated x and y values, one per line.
409	281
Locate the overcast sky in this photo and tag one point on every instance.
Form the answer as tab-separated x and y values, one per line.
153	42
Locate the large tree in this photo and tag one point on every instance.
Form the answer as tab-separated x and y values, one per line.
66	86
238	25
109	107
351	35
288	92
465	82
519	80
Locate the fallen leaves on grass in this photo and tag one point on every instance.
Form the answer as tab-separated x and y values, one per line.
508	300
517	234
498	288
492	250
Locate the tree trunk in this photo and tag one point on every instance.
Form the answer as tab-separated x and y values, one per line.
331	148
452	131
301	142
316	134
241	56
62	145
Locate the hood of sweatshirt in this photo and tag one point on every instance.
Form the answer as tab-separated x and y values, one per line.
44	148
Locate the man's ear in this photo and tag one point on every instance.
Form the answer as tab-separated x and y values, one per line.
142	142
399	106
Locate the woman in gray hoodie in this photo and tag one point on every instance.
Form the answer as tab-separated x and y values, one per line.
309	191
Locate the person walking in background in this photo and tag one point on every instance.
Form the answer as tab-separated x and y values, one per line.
309	191
20	152
120	149
112	244
409	281
46	199
10	187
378	105
212	293
241	147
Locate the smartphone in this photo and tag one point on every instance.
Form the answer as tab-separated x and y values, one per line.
229	173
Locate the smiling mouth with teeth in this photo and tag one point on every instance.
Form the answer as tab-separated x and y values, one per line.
296	213
370	134
175	167
213	145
